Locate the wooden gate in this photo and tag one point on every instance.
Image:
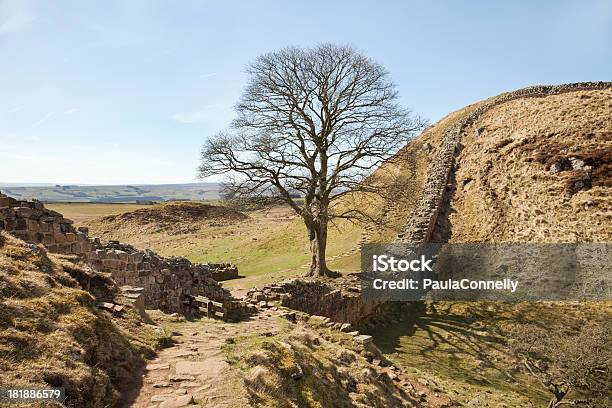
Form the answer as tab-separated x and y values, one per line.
205	306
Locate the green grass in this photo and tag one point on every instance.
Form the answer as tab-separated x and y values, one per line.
268	246
262	249
459	347
330	362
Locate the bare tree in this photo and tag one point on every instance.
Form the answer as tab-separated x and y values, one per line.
567	361
311	126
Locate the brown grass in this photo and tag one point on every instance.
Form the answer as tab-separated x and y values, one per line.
179	217
308	365
505	192
505	189
51	333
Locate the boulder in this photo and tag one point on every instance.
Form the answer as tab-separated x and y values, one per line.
363	339
259	296
577	164
346	327
579	185
555	168
182	401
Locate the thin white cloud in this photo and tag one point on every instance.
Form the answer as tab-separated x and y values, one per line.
71	111
212	74
42	120
15	16
15	109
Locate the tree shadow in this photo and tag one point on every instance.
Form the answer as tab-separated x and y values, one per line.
464	339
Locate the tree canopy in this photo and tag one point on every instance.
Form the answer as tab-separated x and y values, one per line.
311	126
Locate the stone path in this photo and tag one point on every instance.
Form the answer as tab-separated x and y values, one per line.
194	372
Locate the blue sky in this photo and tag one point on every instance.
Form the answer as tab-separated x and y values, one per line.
113	92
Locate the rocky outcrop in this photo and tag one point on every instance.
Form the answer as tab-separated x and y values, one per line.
422	221
166	282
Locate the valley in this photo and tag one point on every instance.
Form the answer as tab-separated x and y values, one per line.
490	171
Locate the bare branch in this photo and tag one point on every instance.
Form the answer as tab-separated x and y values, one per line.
314	123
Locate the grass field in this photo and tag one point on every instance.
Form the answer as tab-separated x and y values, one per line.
269	245
454	349
84	212
461	348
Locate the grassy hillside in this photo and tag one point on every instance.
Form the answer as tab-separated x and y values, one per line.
504	191
461	348
304	364
51	333
516	181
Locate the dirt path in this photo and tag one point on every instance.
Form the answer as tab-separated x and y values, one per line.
194	372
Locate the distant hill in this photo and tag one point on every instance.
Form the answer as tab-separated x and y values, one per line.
114	193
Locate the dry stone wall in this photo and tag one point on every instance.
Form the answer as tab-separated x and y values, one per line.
32	222
223	271
165	281
339	299
422	221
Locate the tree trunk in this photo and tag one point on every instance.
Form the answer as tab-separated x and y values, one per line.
317	234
